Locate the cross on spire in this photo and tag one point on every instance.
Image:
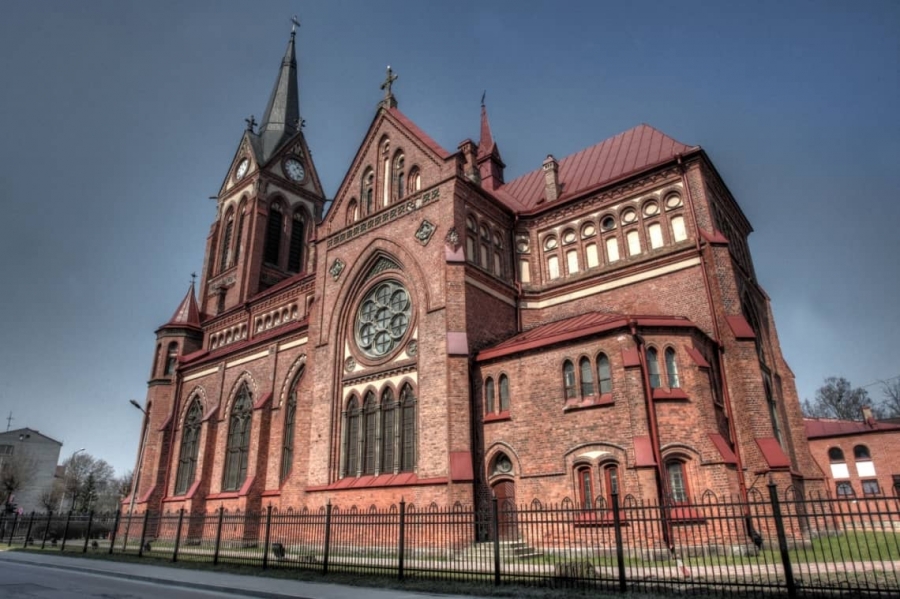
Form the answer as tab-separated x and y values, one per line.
251	123
295	22
389	100
193	278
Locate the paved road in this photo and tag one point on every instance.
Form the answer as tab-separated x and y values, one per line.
27	581
27	575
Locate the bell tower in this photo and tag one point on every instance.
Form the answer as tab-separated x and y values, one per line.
268	204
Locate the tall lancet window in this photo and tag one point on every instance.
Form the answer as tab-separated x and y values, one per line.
295	253
240	230
368	193
351	440
225	250
388	431
399	177
407	430
237	449
190	446
273	234
290	414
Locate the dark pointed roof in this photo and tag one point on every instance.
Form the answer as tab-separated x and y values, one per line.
282	116
187	314
626	154
486	144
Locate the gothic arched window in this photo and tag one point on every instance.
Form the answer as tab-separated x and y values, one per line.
287	444
352	212
604	375
273	234
407	429
238	446
171	359
388	431
587	377
489	396
504	393
653	367
678	487
295	252
351	449
569	379
672	368
370	414
368	191
399	177
225	250
240	230
190	446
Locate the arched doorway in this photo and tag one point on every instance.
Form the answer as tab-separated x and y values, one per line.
504	490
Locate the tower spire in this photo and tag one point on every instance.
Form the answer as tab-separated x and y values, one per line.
282	117
490	165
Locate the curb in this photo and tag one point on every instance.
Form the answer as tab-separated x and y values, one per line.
157	580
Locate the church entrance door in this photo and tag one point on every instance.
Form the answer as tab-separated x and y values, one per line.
505	492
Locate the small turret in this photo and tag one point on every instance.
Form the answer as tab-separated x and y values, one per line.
490	165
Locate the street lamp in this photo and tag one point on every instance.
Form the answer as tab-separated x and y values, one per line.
68	466
137	469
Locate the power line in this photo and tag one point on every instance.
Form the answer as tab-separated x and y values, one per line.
881	381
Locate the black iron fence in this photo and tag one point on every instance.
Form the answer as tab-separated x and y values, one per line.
767	543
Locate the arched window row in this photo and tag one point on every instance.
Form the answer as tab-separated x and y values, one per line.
663	378
496	401
486	246
396	179
285	242
613	235
597	486
587	380
380	433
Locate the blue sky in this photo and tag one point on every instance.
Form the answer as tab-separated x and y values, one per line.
121	119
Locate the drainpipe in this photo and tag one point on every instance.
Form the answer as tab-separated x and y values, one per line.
661	482
726	396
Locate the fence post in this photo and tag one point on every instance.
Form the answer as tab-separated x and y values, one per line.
66	531
401	539
87	533
620	551
495	530
143	533
327	537
782	541
218	535
178	535
268	531
47	529
28	532
115	529
12	530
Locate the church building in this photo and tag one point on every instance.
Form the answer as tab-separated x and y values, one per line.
440	334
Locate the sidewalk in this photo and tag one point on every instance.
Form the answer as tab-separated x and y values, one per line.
251	586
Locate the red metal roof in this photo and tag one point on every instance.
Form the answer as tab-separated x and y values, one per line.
573	328
187	314
423	137
818	428
627	153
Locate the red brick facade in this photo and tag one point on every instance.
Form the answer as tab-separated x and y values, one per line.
364	335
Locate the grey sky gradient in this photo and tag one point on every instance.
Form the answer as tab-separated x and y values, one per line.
120	119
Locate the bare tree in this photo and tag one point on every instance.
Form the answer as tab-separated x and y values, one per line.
16	472
86	480
891	390
50	499
838	399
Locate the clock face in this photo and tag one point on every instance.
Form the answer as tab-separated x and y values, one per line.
242	167
293	168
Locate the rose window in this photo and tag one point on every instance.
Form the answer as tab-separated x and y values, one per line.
383	319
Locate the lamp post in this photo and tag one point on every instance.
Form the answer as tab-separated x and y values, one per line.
137	469
65	491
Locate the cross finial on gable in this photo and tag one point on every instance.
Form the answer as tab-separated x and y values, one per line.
251	123
389	100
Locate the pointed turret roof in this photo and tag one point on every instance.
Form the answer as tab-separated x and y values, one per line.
282	117
486	144
187	314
